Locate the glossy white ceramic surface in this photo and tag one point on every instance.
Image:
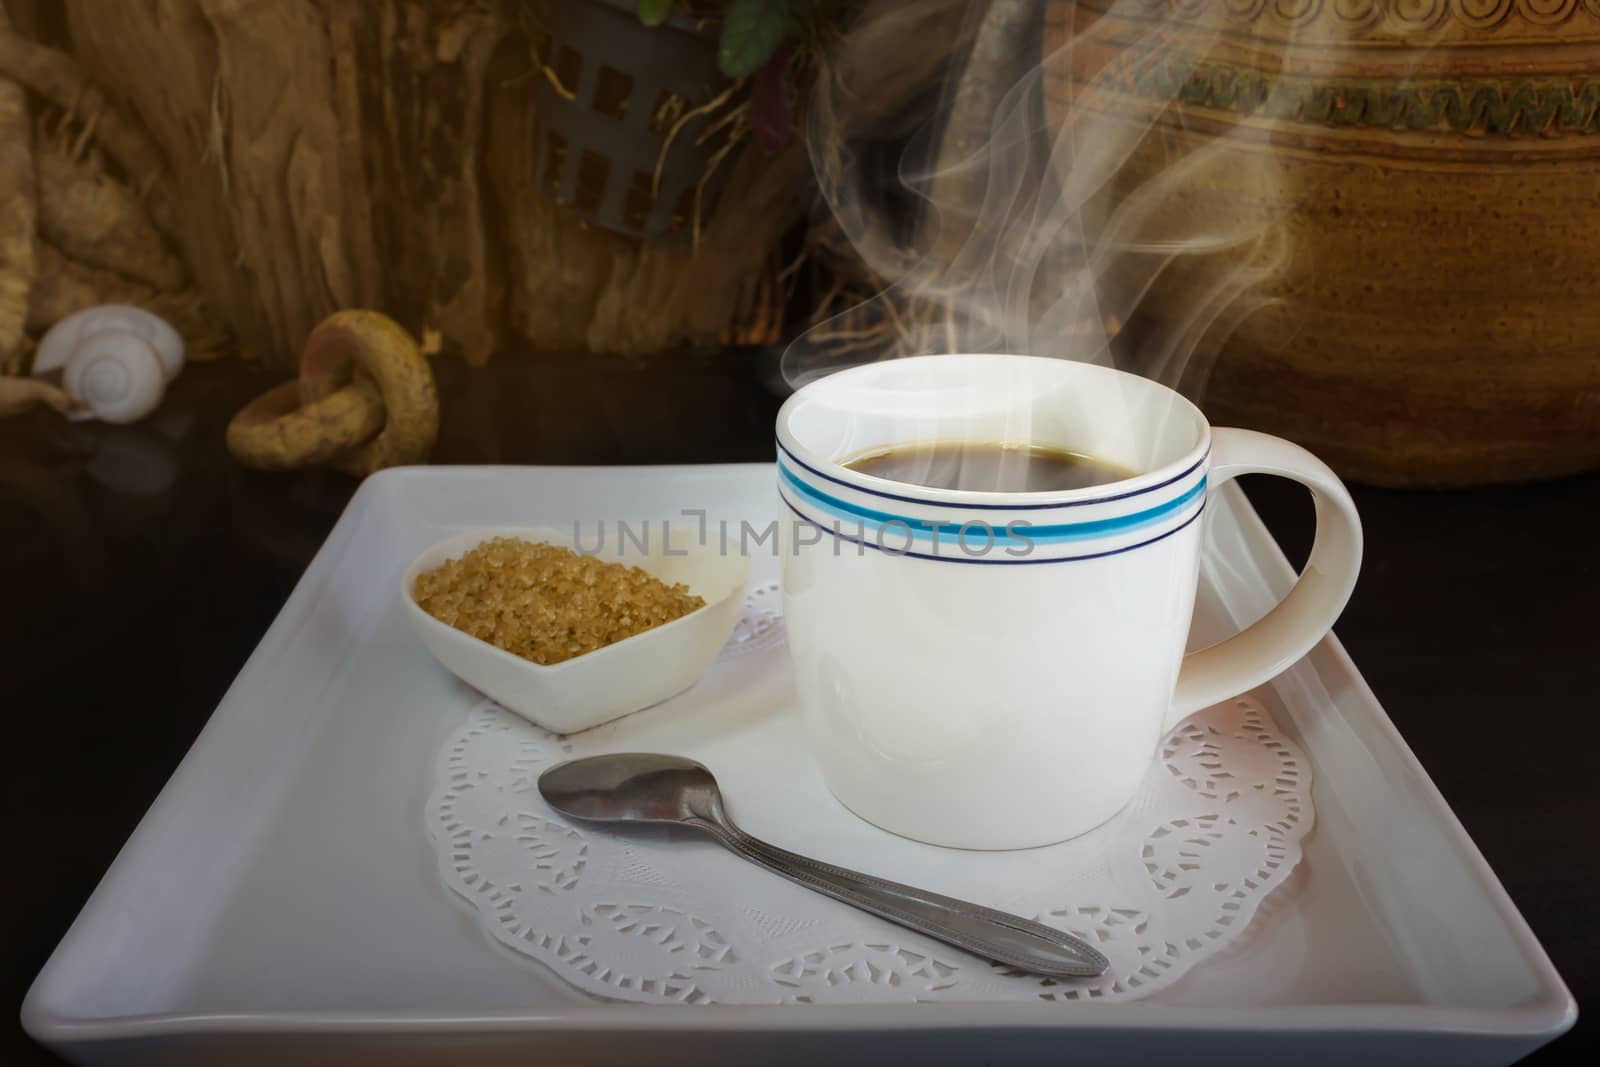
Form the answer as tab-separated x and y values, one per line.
280	903
993	670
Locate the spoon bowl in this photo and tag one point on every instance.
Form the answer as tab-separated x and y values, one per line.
631	787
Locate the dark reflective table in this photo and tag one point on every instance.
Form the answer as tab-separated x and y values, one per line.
140	565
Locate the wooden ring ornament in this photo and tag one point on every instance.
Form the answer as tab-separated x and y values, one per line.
365	400
388	355
275	433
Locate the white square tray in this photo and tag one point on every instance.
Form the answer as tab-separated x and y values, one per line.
280	902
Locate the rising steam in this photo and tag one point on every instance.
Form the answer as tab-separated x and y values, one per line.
1008	197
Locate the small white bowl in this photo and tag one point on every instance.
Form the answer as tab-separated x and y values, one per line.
609	682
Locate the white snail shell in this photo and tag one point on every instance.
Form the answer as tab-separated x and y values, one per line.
114	359
117	376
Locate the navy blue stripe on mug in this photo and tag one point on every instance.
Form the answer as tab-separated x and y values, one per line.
1007	562
926	529
995	507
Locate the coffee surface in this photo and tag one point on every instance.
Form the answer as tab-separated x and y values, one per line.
989	467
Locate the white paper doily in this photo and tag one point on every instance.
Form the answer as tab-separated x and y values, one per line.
662	915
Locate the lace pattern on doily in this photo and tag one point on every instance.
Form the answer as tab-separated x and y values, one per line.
665	916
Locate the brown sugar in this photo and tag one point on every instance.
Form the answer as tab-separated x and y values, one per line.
547	603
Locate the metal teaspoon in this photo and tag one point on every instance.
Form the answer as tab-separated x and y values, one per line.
644	787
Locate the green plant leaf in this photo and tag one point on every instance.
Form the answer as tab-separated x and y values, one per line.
654	12
751	32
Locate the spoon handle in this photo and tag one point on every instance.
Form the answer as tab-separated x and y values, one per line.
994	935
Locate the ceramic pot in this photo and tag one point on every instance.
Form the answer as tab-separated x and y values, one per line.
1433	167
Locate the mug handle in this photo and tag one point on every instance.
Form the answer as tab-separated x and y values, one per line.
1290	630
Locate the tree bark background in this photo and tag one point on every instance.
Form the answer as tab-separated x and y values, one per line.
332	153
17	221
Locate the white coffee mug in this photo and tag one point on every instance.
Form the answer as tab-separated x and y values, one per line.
995	670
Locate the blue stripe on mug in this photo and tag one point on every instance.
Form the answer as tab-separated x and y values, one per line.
924	529
1011	562
1086	502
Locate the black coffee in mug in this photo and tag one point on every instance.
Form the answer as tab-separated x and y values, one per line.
989	467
